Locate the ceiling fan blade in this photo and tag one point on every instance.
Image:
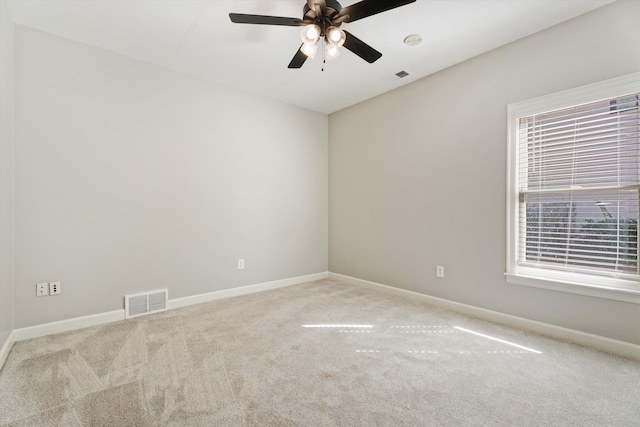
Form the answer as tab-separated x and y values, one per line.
367	8
361	49
298	59
241	18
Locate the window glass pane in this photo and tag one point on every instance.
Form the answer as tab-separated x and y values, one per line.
595	230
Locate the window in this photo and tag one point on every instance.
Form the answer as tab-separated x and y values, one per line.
574	190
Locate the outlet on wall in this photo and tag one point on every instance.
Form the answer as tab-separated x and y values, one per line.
240	264
42	289
440	271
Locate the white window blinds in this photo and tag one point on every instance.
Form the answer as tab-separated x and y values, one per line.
578	182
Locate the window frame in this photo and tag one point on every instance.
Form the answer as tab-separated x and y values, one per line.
579	283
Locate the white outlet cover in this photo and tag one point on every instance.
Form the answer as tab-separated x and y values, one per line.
42	289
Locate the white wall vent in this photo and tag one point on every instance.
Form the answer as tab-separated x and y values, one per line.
145	303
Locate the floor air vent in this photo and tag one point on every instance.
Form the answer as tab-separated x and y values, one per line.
145	303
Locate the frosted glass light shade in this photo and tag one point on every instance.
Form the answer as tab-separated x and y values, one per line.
309	49
310	33
336	35
331	51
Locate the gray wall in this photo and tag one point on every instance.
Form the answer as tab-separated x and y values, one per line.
6	174
132	177
418	175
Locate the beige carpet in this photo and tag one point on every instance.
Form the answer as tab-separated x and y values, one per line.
317	354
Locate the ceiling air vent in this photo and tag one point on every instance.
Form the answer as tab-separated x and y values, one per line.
145	303
402	74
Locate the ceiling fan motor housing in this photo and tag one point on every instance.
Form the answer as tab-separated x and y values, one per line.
328	12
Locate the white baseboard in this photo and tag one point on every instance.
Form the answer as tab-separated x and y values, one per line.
602	343
68	325
6	348
243	290
117	315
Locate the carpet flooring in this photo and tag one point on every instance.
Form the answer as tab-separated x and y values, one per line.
317	354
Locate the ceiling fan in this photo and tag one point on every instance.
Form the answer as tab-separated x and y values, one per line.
321	21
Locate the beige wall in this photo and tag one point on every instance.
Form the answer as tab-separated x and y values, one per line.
6	174
132	177
418	175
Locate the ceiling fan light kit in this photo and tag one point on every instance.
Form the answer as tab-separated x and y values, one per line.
321	20
333	38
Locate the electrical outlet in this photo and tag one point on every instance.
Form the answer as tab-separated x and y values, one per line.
55	288
240	264
42	289
440	271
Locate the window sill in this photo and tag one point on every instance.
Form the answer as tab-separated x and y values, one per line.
575	287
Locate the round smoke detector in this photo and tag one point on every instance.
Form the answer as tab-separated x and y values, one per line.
413	39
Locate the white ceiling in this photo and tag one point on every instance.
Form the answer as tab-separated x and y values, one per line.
196	37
